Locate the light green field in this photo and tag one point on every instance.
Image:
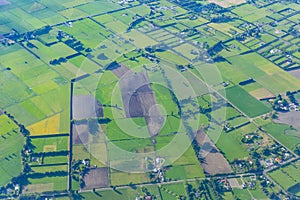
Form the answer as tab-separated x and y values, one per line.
11	144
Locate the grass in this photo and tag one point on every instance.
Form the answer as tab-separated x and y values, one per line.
288	177
225	113
279	131
11	144
242	194
245	102
230	144
123	178
98	7
9	83
7	125
119	194
43	169
186	166
87	31
80	152
176	188
171	126
133	145
39	185
60	143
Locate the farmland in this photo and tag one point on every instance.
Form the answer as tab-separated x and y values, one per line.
288	177
11	144
149	99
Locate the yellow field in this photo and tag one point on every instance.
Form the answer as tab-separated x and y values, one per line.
225	28
47	126
50	148
261	93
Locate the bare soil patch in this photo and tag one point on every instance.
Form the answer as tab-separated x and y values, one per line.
234	183
295	73
290	118
139	100
213	162
80	133
96	178
119	69
86	106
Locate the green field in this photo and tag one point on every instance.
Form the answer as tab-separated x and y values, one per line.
198	56
245	102
51	144
11	144
280	132
288	177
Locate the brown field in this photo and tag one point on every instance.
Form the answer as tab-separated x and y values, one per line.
139	101
227	3
262	93
47	126
213	161
86	106
295	73
80	133
96	178
119	70
290	118
233	182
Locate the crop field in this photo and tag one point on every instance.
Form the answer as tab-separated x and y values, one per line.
288	177
162	91
47	126
248	104
50	144
11	142
280	132
39	185
214	162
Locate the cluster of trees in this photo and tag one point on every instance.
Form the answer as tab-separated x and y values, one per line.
58	61
205	189
290	95
75	44
79	170
280	104
134	23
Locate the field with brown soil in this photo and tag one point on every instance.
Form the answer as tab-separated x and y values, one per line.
119	70
86	106
139	100
80	133
213	162
96	178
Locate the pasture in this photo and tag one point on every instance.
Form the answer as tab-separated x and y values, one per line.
288	177
50	144
248	104
11	142
281	133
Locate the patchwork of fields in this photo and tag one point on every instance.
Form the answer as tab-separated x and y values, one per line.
149	99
